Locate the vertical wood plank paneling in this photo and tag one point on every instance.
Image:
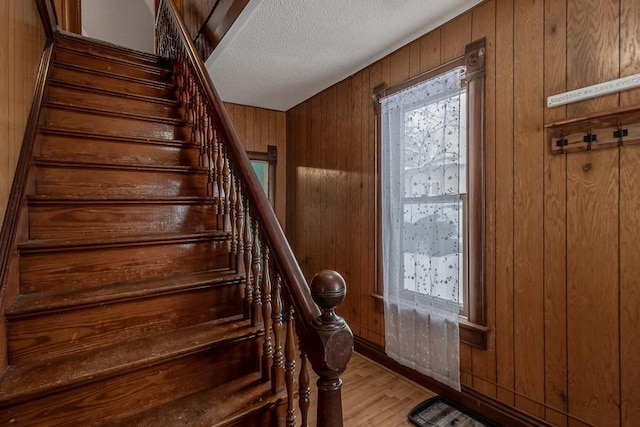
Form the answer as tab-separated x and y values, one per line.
504	201
6	161
592	225
249	127
629	289
455	34
484	361
292	122
314	168
629	47
351	239
399	66
528	207
281	168
331	184
430	50
555	226
592	269
343	208
592	55
629	226
414	58
258	128
466	368
321	223
544	272
22	41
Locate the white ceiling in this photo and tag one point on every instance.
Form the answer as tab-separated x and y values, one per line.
281	52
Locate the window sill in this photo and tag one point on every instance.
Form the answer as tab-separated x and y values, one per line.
473	334
470	333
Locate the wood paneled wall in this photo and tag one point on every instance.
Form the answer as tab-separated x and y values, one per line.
22	41
563	277
258	128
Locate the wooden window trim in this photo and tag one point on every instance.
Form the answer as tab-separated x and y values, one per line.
473	327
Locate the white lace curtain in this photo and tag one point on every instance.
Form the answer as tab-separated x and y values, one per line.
423	176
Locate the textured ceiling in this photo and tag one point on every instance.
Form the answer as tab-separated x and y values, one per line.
281	52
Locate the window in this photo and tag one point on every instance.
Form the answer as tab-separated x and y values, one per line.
440	218
264	165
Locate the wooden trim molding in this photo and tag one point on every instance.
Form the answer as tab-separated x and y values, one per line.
474	58
70	15
9	230
48	16
475	402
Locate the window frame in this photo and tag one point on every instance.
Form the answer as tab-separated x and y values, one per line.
271	158
473	327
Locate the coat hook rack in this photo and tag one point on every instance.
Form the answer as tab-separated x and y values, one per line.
607	129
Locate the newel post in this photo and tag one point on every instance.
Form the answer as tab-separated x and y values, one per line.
330	346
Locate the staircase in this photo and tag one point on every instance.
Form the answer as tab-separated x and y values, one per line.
130	305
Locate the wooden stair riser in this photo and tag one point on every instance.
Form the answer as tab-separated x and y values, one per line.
119	219
108	151
110	51
114	183
91	268
114	101
51	335
101	63
137	391
90	122
111	82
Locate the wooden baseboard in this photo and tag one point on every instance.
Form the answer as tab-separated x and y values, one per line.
487	407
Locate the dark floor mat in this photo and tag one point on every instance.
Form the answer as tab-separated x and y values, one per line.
439	412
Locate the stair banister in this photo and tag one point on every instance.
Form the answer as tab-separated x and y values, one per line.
324	337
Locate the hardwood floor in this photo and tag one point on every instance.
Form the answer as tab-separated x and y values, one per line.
374	396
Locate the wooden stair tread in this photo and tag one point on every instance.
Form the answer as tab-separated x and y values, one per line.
38	303
159	69
28	380
44	199
124	166
103	242
138	80
115	113
114	92
65	36
48	130
219	406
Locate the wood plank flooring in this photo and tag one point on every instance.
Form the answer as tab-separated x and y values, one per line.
373	395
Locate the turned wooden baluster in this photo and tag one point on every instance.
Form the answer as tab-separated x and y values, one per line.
267	343
290	368
214	164
304	391
248	290
277	368
239	221
193	109
209	153
329	345
219	167
256	307
226	179
232	218
200	118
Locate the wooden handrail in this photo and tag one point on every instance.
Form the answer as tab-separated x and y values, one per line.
8	233
282	253
48	16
